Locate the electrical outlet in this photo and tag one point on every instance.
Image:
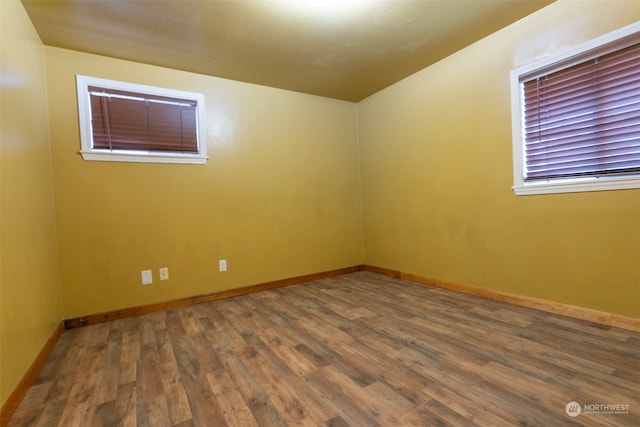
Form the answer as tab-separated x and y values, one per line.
164	273
147	277
222	265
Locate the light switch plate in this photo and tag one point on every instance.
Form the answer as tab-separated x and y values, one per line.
147	277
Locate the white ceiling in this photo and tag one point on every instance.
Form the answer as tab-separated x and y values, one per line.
336	48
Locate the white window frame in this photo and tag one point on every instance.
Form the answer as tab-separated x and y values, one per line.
86	132
565	59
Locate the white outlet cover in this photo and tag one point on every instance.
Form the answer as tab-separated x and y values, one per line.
164	273
147	277
222	264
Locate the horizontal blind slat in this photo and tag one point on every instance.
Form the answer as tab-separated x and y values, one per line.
584	120
623	88
585	152
124	120
585	130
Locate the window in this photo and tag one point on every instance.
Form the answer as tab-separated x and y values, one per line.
127	122
576	118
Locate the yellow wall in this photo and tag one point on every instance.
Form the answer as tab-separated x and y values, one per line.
437	174
30	306
279	197
281	194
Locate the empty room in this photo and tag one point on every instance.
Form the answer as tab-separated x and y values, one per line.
320	213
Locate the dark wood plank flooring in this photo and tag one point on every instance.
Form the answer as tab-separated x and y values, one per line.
355	350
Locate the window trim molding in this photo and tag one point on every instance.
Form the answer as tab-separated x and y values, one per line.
86	133
564	59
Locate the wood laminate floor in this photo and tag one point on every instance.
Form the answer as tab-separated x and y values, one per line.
356	350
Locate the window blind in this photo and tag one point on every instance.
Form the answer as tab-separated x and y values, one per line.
124	120
584	120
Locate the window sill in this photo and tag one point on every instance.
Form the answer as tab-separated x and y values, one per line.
575	185
143	157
